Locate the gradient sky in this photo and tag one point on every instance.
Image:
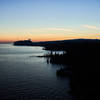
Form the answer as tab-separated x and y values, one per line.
43	20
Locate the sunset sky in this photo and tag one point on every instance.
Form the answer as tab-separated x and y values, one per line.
45	20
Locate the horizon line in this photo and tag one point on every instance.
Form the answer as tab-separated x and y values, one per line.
47	40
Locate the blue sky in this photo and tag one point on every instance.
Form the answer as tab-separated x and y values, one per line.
80	16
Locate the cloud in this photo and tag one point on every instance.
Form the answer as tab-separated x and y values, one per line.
38	30
56	29
91	27
50	30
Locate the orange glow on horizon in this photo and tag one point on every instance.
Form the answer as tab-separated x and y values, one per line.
45	37
37	39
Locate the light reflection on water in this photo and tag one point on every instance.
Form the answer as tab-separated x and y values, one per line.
29	78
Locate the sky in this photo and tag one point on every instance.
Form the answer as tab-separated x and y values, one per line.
46	20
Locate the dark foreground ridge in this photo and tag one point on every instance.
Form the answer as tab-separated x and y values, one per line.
81	59
82	62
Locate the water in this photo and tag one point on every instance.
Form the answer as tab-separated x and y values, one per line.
24	76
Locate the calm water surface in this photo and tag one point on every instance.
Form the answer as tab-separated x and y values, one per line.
24	76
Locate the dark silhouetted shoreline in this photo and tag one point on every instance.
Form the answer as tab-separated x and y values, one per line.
82	66
81	61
